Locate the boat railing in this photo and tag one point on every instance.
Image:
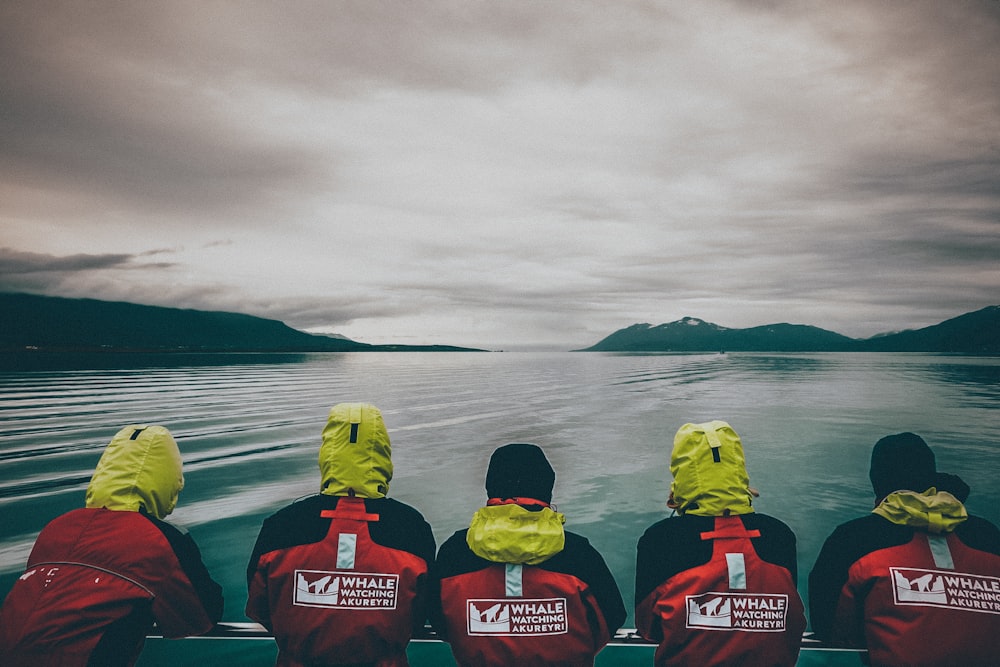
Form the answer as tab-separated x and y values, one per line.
624	637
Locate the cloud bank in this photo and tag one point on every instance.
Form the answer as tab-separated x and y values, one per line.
508	174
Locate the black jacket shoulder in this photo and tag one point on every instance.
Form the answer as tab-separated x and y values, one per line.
854	539
399	527
978	533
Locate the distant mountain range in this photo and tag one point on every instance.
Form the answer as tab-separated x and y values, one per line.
973	333
46	323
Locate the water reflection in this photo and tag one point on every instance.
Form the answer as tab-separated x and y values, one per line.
249	429
784	366
977	382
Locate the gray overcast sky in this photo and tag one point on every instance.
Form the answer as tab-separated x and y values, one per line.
506	174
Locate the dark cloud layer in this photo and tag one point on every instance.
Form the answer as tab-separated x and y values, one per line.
13	262
512	172
36	272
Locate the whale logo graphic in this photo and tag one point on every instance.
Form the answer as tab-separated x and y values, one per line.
322	591
918	586
715	613
495	618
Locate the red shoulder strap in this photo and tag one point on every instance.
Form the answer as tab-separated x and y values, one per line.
350	508
729	528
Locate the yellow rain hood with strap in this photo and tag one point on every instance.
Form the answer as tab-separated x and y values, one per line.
355	458
709	469
512	534
933	511
141	467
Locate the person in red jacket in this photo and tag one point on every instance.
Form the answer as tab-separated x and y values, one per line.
515	588
340	577
716	584
917	581
98	577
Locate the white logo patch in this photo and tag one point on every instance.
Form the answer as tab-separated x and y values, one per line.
743	612
505	616
945	588
341	590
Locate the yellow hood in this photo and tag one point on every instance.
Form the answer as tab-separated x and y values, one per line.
355	457
933	511
512	534
709	469
141	466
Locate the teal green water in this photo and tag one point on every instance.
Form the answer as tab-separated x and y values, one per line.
249	426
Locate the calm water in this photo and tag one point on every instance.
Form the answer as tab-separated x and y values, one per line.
249	427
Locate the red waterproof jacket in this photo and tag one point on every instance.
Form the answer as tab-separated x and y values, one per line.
96	580
561	611
910	596
341	580
719	591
